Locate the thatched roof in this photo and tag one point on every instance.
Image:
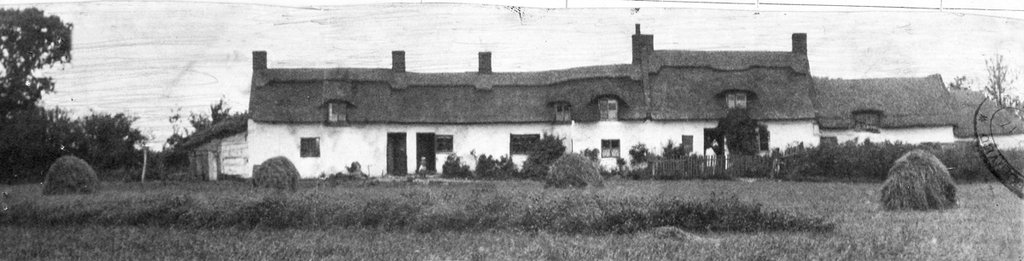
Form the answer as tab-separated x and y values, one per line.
230	126
903	102
383	95
966	102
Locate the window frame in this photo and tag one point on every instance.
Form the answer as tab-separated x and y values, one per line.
563	112
608	109
450	144
612	149
516	142
737	100
332	112
310	152
688	147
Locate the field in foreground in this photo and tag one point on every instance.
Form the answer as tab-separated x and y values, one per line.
986	226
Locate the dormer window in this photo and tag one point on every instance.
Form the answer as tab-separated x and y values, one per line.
736	100
867	120
609	109
337	112
563	112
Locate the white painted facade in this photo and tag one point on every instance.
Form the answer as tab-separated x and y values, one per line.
367	143
1013	141
940	134
234	155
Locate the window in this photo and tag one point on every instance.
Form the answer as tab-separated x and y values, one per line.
337	112
736	100
687	143
309	147
609	148
866	120
763	138
443	143
609	109
520	144
563	112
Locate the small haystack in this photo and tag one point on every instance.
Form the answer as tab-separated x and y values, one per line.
918	181
70	175
574	170
277	172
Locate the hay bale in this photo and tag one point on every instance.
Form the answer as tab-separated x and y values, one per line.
918	181
674	233
574	170
70	175
277	172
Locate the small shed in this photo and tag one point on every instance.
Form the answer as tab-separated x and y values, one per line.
218	150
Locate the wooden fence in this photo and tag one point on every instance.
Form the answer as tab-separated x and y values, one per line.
712	167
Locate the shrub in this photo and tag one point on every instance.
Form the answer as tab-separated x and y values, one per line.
918	181
277	172
670	151
453	168
70	175
870	161
489	168
592	154
574	170
542	153
638	154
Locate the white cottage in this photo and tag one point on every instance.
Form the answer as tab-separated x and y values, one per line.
389	120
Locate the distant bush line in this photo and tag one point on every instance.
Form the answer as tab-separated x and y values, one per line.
466	208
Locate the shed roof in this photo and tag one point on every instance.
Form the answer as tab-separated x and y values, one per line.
903	102
230	126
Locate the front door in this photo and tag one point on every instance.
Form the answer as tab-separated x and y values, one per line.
396	154
425	152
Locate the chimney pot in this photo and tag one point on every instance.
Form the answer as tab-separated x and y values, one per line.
259	60
485	62
398	61
800	43
637	28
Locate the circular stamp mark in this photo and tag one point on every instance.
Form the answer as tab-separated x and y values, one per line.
1002	121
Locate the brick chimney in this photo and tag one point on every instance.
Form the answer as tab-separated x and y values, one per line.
800	43
485	62
643	45
259	60
398	61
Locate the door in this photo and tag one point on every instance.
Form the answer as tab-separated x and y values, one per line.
425	151
396	154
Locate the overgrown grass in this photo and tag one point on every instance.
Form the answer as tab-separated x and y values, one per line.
470	207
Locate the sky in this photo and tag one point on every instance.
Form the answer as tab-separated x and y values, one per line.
150	59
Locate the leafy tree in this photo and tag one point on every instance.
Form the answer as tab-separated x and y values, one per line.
110	141
999	81
29	40
960	83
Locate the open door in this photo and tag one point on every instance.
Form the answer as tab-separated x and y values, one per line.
426	152
396	154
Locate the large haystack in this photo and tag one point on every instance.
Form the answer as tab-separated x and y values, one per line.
277	172
918	181
70	175
574	170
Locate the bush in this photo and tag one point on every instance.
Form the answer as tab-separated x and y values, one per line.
489	168
574	170
277	172
918	181
670	151
70	175
453	168
592	154
542	153
851	161
638	154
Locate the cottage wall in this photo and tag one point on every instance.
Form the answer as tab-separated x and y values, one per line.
1011	141
233	156
367	143
942	134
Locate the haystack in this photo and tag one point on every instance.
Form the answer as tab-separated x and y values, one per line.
70	175
277	172
918	181
574	170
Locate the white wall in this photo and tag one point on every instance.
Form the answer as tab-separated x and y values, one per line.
1015	141
234	155
367	144
942	134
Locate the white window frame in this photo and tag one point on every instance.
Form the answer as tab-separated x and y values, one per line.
609	109
611	151
736	100
337	112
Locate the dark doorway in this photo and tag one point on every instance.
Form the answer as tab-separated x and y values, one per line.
396	154
425	151
714	140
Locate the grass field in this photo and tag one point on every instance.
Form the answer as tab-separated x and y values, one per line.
986	226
